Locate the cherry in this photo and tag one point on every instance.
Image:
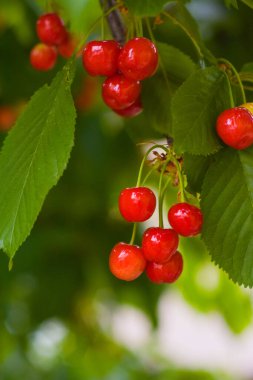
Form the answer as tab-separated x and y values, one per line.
137	204
67	48
101	57
159	244
235	127
167	272
185	219
138	59
134	110
120	92
43	57
126	261
51	29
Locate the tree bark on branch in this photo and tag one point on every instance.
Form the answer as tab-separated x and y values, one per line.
115	21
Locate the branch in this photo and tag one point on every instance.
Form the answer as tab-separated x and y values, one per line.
115	21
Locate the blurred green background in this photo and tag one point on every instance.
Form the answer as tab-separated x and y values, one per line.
62	314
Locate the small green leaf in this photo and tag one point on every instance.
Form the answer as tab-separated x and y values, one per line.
227	204
248	2
33	158
195	168
145	7
195	107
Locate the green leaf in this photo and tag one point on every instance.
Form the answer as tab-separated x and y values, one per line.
231	3
33	158
195	168
145	7
248	2
227	204
195	107
177	65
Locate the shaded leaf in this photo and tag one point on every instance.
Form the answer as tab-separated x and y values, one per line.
195	107
195	168
145	7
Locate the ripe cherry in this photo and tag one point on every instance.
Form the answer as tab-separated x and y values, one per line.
235	127
51	29
137	204
43	57
120	92
159	244
132	111
101	57
167	272
138	59
126	261
185	219
67	48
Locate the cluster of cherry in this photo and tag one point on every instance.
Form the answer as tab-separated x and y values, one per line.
158	254
124	68
54	39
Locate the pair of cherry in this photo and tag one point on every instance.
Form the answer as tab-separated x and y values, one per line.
158	254
54	39
124	68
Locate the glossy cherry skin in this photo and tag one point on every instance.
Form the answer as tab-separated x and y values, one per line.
43	57
101	58
235	127
134	110
120	92
185	219
126	261
167	272
51	29
138	59
159	244
137	204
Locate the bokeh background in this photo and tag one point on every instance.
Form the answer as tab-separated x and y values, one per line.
62	314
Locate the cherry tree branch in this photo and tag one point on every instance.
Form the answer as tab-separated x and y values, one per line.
115	21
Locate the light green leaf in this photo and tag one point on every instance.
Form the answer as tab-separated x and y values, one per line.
227	204
195	107
33	158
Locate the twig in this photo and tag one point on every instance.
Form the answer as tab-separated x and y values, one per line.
114	20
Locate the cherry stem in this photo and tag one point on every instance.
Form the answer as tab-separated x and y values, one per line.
133	234
160	193
229	64
144	160
231	97
154	167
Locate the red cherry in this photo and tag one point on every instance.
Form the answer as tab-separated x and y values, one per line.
235	127
67	48
137	204
126	261
134	110
138	59
159	244
185	219
101	57
120	92
51	29
43	57
167	272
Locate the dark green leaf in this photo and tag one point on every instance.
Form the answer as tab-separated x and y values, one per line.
195	168
177	65
195	107
248	2
231	3
33	158
227	200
